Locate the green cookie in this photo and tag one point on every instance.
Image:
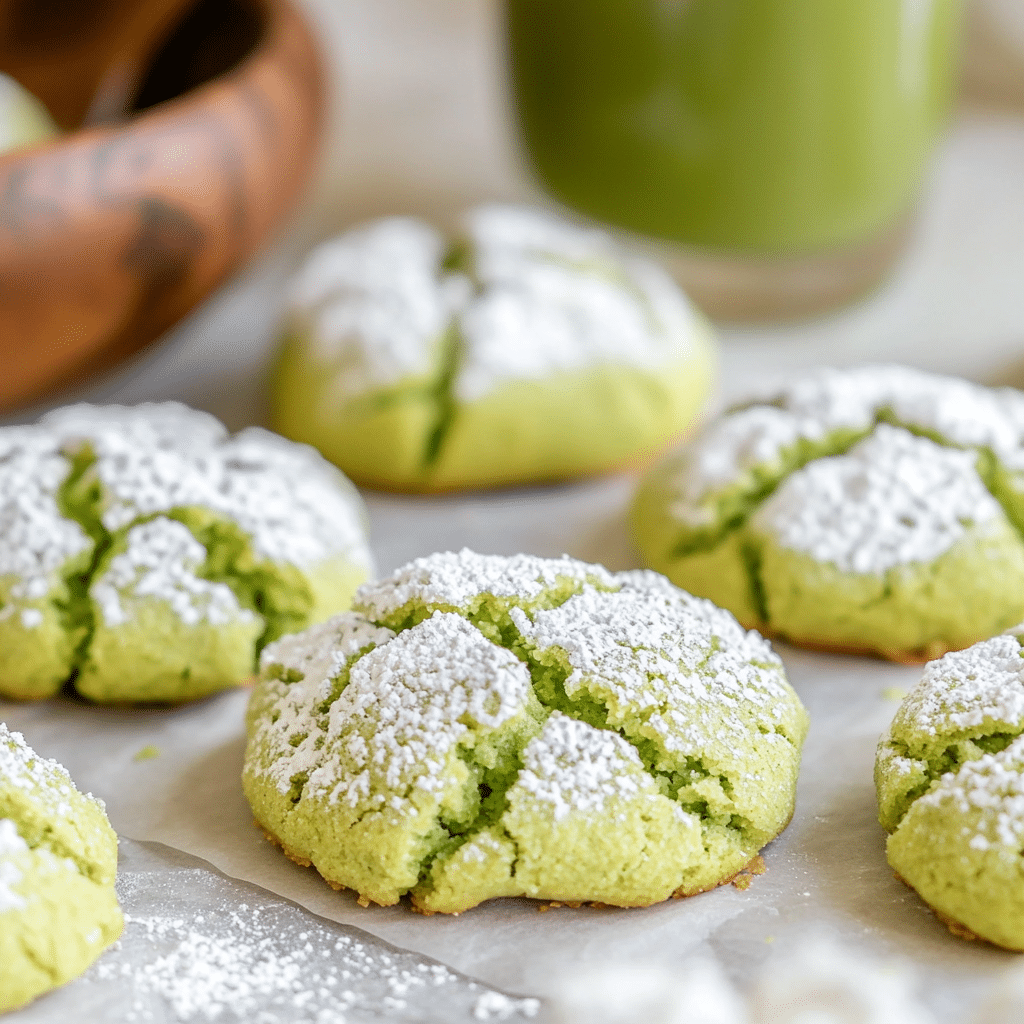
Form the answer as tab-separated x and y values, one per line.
147	556
527	350
876	510
24	120
950	781
484	726
58	857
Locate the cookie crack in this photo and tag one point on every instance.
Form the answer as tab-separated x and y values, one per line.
741	506
79	499
443	395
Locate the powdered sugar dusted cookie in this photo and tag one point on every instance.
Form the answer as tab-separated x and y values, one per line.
950	780
876	509
149	556
483	726
58	856
528	349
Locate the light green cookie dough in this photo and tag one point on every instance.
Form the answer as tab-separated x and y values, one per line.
877	510
145	555
482	726
949	775
23	118
527	350
58	858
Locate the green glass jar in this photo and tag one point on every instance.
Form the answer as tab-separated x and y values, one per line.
742	126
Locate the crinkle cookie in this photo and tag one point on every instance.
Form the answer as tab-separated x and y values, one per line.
950	780
528	349
877	510
482	726
148	556
58	857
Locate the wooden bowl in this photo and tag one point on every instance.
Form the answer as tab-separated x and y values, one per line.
112	233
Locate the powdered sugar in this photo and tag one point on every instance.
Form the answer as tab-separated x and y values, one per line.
43	779
11	845
161	562
558	298
454	580
970	691
990	791
369	304
650	650
892	499
408	703
200	947
36	541
816	406
540	296
296	506
573	767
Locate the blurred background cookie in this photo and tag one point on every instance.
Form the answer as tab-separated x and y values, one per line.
876	509
148	556
527	349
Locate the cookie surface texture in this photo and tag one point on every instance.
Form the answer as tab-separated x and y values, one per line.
876	509
146	555
483	726
949	775
58	858
526	350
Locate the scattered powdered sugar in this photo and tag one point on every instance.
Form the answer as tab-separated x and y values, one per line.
454	580
160	562
990	788
36	541
822	982
294	504
574	767
685	666
624	993
815	406
891	500
981	687
11	845
540	296
198	947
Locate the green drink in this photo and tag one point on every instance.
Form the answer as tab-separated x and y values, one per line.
761	127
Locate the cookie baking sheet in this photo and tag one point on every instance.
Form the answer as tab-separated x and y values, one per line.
826	873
